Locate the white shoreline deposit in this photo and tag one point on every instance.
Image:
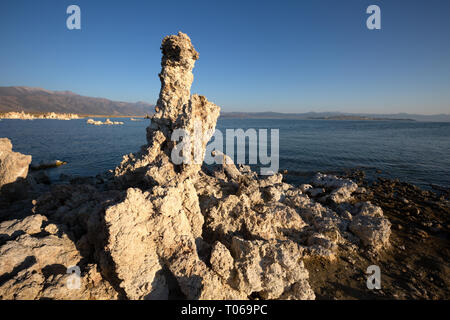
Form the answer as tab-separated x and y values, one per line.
28	116
107	122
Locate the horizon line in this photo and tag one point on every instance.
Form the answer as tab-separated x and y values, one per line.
242	112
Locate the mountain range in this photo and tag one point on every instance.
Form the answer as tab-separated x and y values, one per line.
38	100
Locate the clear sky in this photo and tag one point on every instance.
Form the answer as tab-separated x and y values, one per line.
284	56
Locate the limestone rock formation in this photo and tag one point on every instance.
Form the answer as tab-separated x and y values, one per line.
99	123
176	109
271	269
34	264
341	189
222	262
371	226
162	229
13	165
30	225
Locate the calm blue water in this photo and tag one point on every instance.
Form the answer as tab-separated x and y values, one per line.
416	152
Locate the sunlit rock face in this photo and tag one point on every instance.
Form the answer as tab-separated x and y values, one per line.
176	109
13	165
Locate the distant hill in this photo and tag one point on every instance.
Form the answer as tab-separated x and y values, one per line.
37	100
335	116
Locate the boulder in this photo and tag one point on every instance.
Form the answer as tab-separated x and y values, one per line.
221	261
34	264
370	226
148	231
341	189
13	165
271	269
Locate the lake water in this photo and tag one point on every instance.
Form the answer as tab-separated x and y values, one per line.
416	152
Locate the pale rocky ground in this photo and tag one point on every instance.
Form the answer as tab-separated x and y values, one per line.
155	230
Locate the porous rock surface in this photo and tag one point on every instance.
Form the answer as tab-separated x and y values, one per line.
34	261
13	165
155	229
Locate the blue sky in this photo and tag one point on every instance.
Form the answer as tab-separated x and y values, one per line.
285	56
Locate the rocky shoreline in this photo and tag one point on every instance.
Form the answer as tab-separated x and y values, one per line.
151	229
28	116
416	264
63	116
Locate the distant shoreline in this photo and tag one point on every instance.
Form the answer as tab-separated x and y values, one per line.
224	115
337	118
350	118
109	116
58	116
